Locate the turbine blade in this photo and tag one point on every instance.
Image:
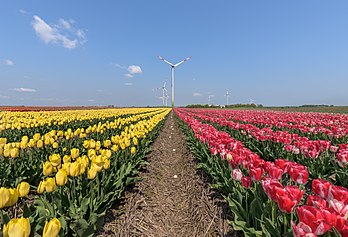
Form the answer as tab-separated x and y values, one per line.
186	59
166	61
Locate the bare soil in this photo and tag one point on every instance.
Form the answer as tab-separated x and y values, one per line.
174	199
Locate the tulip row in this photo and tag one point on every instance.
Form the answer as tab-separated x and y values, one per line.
319	156
18	121
79	202
13	169
262	185
317	125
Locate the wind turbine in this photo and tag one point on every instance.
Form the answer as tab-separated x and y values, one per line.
227	95
164	94
173	66
209	97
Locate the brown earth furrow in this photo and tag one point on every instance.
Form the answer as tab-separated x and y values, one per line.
173	199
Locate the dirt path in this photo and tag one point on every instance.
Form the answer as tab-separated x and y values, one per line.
173	199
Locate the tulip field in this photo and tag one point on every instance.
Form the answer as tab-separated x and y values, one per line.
60	171
282	174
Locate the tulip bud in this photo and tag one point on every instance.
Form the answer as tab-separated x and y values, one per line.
74	153
66	159
4	197
23	189
92	172
17	227
7	152
106	164
61	177
13	196
114	148
91	144
55	160
47	168
74	169
55	145
41	187
135	141
91	153
39	144
50	185
52	228
107	143
133	150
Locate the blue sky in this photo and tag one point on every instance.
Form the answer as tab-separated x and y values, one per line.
99	53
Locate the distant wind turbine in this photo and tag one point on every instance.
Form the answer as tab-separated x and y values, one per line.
173	66
227	95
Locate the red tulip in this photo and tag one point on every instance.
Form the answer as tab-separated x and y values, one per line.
246	182
302	230
313	217
255	174
321	187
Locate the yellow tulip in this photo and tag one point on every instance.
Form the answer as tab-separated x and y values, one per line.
4	197
74	153
91	153
61	177
52	228
13	196
55	145
135	141
86	144
66	167
106	164
1	151
91	173
66	159
107	143
74	169
17	227
55	160
39	144
23	189
114	148
65	149
41	187
24	144
50	185
36	136
133	150
47	168
91	144
3	140
7	152
123	146
97	145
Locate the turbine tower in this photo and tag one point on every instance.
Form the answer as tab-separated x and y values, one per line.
173	66
164	94
227	95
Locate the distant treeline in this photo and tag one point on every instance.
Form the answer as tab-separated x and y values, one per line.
225	106
316	106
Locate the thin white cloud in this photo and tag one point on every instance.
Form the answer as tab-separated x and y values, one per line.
119	66
129	75
134	69
65	24
64	33
91	100
8	62
197	94
128	84
4	97
22	11
21	89
99	90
